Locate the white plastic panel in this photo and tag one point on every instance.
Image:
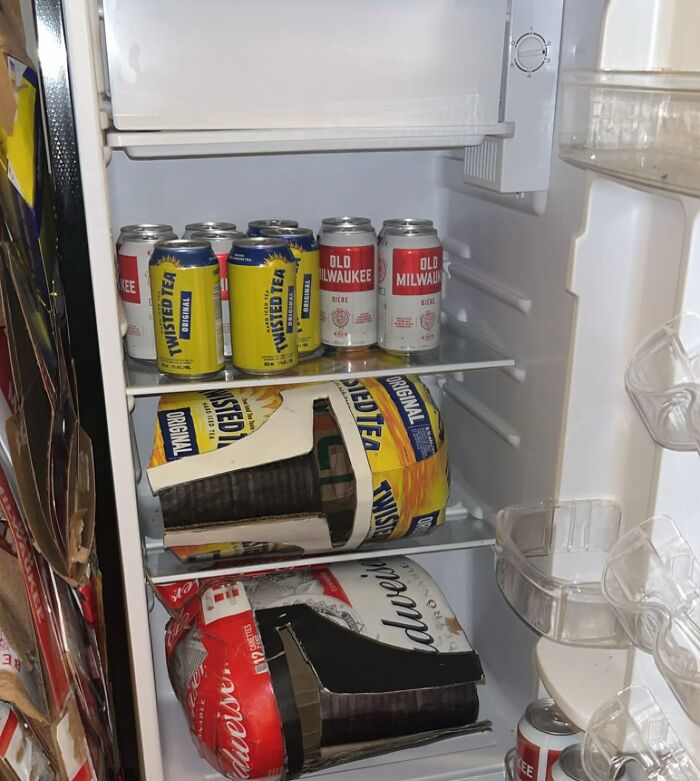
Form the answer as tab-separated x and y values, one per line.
275	64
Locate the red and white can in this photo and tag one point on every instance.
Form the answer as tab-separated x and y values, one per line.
143	227
133	253
348	285
543	733
398	222
221	242
210	225
409	287
336	222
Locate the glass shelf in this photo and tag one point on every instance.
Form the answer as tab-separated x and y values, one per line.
455	353
643	127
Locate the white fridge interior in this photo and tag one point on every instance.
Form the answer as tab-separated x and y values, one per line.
548	288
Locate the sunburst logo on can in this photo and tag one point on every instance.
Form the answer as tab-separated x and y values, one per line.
427	321
341	318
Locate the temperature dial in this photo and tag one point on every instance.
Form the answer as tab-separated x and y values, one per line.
530	52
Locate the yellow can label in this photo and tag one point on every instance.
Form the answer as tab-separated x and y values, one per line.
401	430
186	315
261	287
308	296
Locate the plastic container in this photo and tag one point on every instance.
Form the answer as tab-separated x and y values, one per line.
663	380
643	126
549	561
652	580
632	728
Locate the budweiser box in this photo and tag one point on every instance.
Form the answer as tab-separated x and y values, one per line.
307	468
297	671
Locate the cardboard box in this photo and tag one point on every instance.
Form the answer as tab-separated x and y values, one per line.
292	672
308	468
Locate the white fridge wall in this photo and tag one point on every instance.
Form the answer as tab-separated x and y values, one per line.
436	63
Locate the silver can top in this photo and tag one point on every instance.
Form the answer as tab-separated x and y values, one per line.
175	244
210	225
149	227
143	234
329	222
287	232
215	233
273	223
408	222
571	763
544	716
410	230
261	242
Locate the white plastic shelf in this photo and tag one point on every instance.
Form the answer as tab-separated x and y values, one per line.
457	533
200	143
641	126
580	679
455	353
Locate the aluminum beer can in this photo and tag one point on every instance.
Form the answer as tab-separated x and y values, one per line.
409	287
195	227
404	222
144	227
348	285
261	283
255	226
543	733
134	251
303	244
186	293
221	241
569	766
335	222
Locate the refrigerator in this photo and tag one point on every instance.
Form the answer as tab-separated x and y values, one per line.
554	143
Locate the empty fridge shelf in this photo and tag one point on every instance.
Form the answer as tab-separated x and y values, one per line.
179	143
641	126
652	580
549	561
631	728
663	380
457	352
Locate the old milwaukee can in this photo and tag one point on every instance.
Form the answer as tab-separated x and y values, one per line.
221	241
409	272
348	285
569	766
134	249
261	283
209	225
144	227
543	733
186	293
401	222
303	244
255	226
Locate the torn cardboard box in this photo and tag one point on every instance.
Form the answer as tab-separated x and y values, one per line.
293	672
303	468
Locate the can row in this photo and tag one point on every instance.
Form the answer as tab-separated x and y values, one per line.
350	289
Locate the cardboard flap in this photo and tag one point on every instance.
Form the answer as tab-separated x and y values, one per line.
376	667
287	433
309	533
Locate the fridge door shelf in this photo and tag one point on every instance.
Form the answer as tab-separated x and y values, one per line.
640	126
631	728
652	580
456	352
549	561
663	380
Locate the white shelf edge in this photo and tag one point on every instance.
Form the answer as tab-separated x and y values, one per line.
482	535
580	679
181	143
